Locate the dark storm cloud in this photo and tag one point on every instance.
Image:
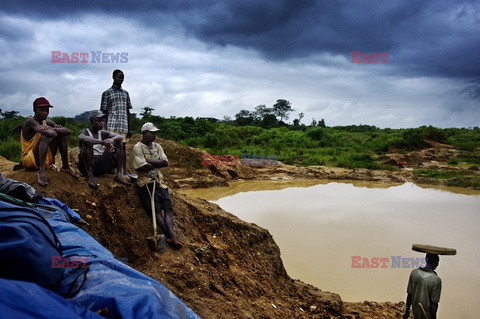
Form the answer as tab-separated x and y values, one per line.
423	38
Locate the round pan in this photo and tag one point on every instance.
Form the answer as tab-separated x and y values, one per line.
434	249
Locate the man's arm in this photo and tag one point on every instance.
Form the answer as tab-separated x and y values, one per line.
129	134
83	137
115	138
162	160
104	102
60	130
409	304
151	164
158	163
129	106
104	105
31	127
433	309
108	139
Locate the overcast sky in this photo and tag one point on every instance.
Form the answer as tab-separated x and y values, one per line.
214	58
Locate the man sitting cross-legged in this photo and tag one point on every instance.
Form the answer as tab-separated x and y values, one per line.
100	151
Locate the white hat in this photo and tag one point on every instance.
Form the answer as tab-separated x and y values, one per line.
149	127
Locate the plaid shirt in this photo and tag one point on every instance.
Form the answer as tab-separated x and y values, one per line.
116	102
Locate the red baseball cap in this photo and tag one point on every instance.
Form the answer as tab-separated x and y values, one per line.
41	101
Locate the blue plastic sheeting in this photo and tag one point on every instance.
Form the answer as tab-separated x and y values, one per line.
26	300
73	215
105	282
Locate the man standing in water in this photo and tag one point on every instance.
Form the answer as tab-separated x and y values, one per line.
40	139
423	290
148	158
116	105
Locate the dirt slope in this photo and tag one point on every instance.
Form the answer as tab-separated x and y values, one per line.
227	268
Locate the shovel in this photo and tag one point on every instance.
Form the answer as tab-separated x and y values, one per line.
156	242
423	310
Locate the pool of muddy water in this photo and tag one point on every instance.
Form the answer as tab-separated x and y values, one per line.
330	232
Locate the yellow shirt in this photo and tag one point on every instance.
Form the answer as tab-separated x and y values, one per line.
28	158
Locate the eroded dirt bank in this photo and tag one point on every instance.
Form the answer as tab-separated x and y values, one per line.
227	268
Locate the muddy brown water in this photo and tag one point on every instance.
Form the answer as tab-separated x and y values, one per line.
321	226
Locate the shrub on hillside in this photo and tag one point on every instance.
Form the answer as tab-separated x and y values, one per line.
434	134
414	140
316	134
11	149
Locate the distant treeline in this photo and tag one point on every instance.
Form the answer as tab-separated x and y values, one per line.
353	146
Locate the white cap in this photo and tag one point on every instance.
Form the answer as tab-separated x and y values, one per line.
149	127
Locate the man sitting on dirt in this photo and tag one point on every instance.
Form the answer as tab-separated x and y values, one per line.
148	158
100	151
423	290
40	139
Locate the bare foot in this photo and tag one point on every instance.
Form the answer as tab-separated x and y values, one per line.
69	172
91	181
42	178
175	243
121	179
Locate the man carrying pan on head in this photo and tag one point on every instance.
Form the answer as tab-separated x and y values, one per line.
423	290
100	151
148	158
41	139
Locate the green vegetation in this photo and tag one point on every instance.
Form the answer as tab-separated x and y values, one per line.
439	174
260	133
10	149
453	177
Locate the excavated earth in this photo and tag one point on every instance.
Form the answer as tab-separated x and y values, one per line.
227	268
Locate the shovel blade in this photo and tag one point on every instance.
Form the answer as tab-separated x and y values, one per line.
157	243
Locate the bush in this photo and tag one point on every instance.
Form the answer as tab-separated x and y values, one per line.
211	140
468	146
316	134
357	160
434	134
11	149
413	139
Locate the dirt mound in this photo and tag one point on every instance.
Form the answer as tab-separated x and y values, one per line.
227	268
432	156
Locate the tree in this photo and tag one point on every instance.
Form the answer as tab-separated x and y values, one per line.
282	109
300	117
244	117
261	111
8	114
269	121
322	123
147	112
82	117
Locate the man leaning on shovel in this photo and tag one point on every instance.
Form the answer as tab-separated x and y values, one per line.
148	158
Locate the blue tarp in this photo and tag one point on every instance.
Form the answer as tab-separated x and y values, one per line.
103	282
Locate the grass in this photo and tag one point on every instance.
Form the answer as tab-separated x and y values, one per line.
439	174
11	149
350	146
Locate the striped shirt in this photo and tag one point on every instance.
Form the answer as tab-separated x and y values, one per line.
116	102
